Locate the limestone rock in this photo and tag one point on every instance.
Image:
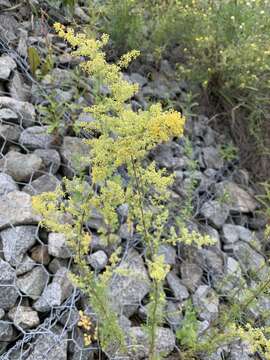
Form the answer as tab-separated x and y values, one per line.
17	241
24	110
22	167
33	282
169	253
7	65
9	133
72	151
212	158
139	343
24	317
128	291
206	301
51	160
178	289
51	345
7	184
56	292
57	246
6	330
36	137
45	183
239	199
191	275
98	260
8	292
215	212
16	209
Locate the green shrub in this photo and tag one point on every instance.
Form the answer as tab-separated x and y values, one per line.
224	48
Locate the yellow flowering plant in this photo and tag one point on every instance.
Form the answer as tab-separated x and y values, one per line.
120	139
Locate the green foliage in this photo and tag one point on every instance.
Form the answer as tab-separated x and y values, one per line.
53	113
188	332
33	59
125	138
264	198
228	152
144	25
223	46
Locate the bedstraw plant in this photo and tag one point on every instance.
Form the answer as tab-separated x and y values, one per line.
120	139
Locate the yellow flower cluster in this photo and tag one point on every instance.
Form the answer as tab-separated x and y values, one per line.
134	134
256	339
158	269
86	324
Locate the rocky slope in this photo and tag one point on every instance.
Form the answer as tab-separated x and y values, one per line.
38	304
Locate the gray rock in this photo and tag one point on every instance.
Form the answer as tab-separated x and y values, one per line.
169	253
17	241
215	212
7	184
57	246
98	260
240	351
8	115
7	65
239	199
50	346
56	292
50	158
9	133
18	90
164	156
206	301
8	27
8	292
5	4
78	349
22	167
45	183
70	318
230	233
56	264
191	275
139	342
128	291
233	233
24	110
211	260
138	78
95	220
16	209
6	331
212	158
22	44
36	137
231	279
2	314
173	314
25	265
126	231
40	255
72	151
249	259
179	291
57	77
33	282
24	317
